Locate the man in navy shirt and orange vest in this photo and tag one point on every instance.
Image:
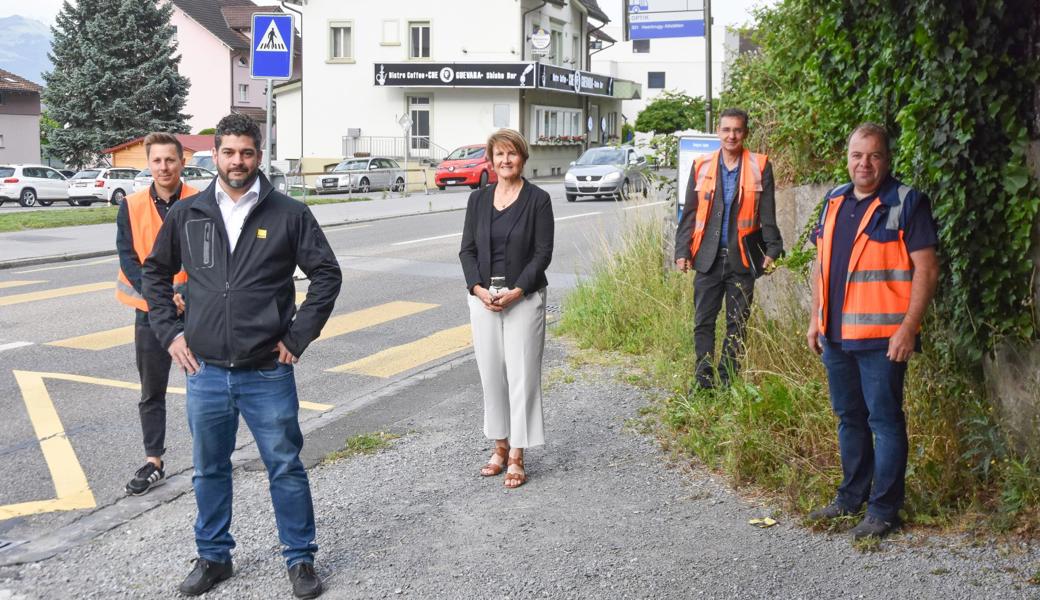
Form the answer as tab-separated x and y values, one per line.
875	274
137	223
729	203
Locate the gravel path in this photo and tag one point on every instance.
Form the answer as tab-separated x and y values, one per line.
604	515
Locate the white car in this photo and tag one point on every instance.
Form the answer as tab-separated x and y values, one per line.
101	185
32	184
196	177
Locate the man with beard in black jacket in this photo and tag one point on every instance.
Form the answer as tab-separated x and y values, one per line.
240	242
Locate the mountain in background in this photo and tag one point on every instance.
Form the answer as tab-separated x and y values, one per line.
24	44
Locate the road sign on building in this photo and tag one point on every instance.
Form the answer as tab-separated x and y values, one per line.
651	19
271	54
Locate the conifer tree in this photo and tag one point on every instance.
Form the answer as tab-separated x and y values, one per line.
115	76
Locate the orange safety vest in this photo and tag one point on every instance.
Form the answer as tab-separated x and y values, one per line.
144	227
706	168
877	290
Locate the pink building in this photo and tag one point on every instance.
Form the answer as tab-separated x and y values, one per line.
213	37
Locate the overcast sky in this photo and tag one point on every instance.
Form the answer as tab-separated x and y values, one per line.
41	10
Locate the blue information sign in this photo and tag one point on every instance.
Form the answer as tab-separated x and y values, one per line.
271	50
651	19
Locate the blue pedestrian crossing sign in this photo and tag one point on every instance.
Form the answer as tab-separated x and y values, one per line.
271	54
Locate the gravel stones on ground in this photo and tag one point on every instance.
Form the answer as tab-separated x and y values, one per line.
605	514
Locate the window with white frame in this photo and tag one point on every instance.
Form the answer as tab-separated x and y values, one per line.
612	129
557	47
640	46
243	92
575	52
391	32
341	41
418	39
655	80
554	125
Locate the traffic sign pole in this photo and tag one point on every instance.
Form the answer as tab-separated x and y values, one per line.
267	137
271	58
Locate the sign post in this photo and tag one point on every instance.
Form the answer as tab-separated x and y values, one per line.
271	58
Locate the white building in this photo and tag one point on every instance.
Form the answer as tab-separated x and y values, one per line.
456	70
675	64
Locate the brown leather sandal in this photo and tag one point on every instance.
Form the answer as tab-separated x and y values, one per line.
518	478
491	469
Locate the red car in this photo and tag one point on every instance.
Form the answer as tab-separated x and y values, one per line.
467	165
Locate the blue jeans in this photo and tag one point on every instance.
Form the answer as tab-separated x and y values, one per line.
867	395
268	403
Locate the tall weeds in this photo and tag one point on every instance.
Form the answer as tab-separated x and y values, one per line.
773	428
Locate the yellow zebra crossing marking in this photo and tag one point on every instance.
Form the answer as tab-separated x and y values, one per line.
102	340
368	317
55	293
399	359
71	489
18	283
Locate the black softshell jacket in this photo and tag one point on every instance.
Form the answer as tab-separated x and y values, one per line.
240	305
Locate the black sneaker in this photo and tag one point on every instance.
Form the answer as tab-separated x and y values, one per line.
204	576
872	526
831	511
146	478
305	582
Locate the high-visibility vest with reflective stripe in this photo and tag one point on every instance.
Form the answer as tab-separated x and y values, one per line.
705	169
877	289
144	227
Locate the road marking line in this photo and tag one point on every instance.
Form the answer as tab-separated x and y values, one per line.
427	239
102	340
71	490
55	293
95	262
368	317
13	345
646	205
399	359
19	282
588	214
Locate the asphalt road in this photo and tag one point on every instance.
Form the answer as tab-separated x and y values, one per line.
70	438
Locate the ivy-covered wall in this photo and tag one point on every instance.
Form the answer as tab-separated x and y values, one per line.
956	83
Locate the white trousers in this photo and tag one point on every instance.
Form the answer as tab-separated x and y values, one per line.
508	346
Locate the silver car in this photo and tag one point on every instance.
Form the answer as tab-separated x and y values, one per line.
362	175
606	172
196	177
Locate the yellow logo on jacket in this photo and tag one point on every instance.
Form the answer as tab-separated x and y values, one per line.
261	234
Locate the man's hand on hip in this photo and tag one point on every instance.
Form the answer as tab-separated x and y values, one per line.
182	355
901	344
284	356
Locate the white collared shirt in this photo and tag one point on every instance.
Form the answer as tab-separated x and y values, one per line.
235	213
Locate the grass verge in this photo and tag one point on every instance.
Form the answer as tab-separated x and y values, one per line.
57	217
773	430
364	443
70	217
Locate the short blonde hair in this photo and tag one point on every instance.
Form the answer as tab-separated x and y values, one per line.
508	137
161	138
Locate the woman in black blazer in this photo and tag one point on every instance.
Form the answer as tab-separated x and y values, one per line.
507	244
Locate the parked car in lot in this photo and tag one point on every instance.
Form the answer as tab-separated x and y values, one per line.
467	165
67	173
32	184
606	172
196	177
204	159
101	185
362	175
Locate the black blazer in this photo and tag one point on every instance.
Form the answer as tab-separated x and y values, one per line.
529	246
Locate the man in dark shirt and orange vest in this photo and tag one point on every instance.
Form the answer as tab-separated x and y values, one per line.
728	234
875	274
138	222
